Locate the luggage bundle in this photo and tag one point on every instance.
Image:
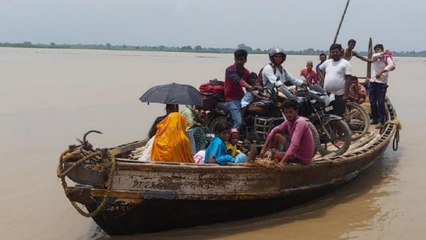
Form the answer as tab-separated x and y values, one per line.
213	92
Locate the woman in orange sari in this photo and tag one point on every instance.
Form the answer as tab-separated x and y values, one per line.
171	143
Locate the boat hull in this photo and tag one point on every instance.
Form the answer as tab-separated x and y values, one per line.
160	214
150	197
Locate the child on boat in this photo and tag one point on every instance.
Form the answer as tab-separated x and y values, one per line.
216	151
232	145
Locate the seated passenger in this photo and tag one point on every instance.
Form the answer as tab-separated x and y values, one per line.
309	74
257	92
169	109
171	143
216	151
295	131
357	92
195	116
195	131
232	145
147	149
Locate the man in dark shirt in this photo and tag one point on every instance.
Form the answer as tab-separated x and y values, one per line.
235	79
322	58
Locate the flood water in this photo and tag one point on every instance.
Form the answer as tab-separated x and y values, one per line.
50	97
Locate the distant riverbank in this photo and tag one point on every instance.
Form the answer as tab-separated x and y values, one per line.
198	48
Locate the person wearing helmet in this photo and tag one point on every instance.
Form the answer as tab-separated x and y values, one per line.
274	74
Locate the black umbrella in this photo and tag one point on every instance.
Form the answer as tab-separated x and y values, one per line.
173	93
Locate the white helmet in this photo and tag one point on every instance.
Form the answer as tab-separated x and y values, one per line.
274	51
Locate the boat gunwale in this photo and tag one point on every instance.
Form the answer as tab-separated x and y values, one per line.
385	136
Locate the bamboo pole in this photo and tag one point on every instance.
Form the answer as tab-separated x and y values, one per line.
341	21
369	56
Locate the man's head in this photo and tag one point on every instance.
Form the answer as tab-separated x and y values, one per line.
240	58
291	109
378	48
351	43
336	51
277	55
322	57
309	65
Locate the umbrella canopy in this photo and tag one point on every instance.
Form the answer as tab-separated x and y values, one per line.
173	93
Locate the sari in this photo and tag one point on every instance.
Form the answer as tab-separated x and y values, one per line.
171	143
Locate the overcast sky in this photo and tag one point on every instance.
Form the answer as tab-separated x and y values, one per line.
290	24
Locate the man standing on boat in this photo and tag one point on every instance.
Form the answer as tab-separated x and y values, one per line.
274	74
338	73
235	79
383	63
349	52
322	58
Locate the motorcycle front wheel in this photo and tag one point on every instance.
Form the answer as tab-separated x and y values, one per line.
335	137
212	123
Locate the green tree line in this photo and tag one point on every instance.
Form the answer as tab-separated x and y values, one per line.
188	48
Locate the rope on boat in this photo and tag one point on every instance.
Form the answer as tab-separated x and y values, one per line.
79	152
395	142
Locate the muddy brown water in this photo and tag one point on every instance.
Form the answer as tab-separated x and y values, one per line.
49	97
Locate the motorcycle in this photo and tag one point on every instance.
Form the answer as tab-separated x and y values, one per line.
334	132
258	119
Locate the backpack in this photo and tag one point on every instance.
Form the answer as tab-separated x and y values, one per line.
386	56
260	77
213	92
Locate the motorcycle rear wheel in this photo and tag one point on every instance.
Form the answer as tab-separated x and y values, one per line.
212	123
316	137
357	119
335	137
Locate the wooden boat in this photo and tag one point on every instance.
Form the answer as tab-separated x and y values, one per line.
125	196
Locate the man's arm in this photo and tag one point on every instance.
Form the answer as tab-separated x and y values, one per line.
359	56
390	64
388	67
321	73
288	77
347	85
232	74
321	77
269	138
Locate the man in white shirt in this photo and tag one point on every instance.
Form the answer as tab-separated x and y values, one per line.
275	75
338	73
383	63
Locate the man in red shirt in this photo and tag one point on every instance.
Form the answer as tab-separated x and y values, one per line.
235	79
309	74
